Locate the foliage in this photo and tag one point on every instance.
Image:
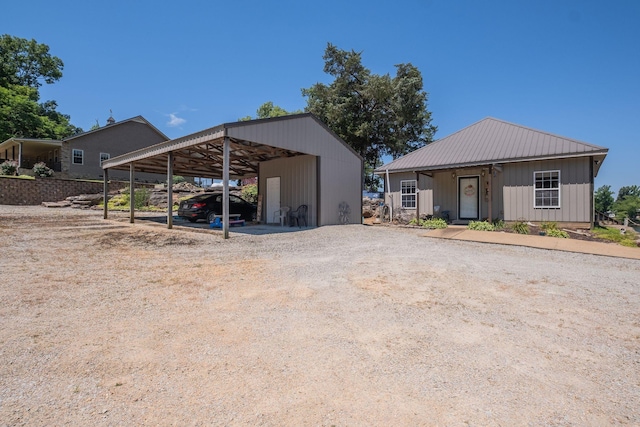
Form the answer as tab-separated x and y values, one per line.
141	198
520	227
433	223
8	167
603	199
630	190
250	193
610	233
627	207
177	179
547	226
42	170
268	110
554	232
26	62
499	224
481	226
376	115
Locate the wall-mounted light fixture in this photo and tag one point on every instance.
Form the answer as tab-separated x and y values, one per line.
453	175
482	173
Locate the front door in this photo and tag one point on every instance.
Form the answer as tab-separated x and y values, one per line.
273	199
469	198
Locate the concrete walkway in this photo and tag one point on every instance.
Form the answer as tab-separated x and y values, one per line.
542	242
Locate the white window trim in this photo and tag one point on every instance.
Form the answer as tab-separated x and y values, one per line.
535	206
414	194
107	158
73	156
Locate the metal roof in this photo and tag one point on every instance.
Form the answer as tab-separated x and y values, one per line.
137	119
491	141
201	153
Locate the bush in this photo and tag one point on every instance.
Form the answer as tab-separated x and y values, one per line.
250	193
499	224
177	179
42	170
8	167
520	227
141	198
547	226
433	223
481	226
554	232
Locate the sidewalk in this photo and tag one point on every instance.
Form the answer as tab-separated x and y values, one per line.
541	242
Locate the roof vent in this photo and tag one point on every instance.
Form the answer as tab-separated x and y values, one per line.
110	120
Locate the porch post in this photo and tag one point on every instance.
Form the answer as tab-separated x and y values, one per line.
490	190
417	196
170	190
132	193
225	188
105	192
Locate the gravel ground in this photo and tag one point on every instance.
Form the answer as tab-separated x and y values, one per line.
109	324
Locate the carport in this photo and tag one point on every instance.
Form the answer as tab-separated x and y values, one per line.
317	167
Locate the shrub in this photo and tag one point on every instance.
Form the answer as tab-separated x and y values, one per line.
8	167
547	226
499	224
520	227
177	179
481	226
42	170
554	232
141	198
434	223
250	193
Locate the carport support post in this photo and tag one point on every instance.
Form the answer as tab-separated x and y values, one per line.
132	193
170	190
105	193
225	188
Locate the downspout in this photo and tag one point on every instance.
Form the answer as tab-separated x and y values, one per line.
592	208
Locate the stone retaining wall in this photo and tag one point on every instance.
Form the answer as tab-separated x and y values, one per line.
18	191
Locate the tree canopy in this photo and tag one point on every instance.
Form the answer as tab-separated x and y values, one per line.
603	199
23	65
269	110
377	115
25	62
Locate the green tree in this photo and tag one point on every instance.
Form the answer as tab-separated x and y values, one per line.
268	110
26	62
22	116
630	190
377	115
604	198
628	207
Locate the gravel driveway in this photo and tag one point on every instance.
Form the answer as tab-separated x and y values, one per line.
109	324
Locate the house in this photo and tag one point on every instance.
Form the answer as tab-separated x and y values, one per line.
497	170
81	155
297	159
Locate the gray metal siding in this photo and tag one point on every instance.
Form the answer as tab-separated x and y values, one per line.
340	181
298	185
575	191
120	139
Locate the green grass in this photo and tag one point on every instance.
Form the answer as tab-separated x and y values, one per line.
613	234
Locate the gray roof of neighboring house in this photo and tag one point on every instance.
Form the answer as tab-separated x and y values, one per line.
491	141
137	119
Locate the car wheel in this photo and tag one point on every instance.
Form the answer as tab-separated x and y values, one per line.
211	216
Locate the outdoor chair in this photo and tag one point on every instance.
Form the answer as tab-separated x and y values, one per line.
299	215
282	215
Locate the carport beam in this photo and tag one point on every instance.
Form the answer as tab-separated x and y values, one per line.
105	193
225	188
170	190
132	193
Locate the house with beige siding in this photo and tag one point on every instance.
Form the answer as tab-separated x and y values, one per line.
493	169
81	155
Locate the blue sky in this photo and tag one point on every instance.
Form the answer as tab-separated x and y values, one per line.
569	67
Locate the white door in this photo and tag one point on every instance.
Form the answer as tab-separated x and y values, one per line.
468	198
273	199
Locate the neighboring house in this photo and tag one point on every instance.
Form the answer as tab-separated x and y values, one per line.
497	170
81	156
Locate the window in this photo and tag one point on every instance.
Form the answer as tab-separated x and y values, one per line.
103	157
546	192
408	192
78	156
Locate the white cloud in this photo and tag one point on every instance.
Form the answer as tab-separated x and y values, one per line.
175	121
